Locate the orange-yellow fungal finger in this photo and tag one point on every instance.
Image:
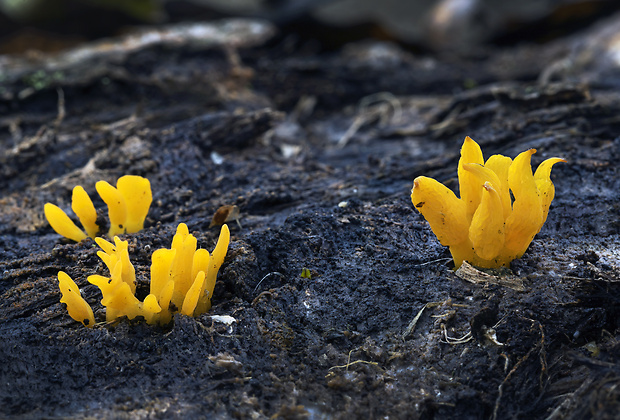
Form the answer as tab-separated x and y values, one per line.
217	258
128	273
106	246
151	309
164	300
150	304
525	220
182	265
469	190
462	252
110	254
194	292
83	207
543	172
62	224
520	177
446	214
117	208
500	165
123	301
117	296
109	260
542	176
486	231
180	235
215	262
103	283
77	307
486	175
161	263
136	191
200	261
522	225
107	285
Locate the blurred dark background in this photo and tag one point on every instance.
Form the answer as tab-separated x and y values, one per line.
423	25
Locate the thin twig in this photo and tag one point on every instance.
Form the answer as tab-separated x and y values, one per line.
454	341
366	113
275	273
500	389
349	363
61	108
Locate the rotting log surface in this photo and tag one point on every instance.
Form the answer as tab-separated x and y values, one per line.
267	126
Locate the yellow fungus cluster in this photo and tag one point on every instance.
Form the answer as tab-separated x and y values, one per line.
128	204
486	226
182	280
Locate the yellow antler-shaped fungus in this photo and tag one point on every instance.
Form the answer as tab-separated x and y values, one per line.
62	224
191	273
112	255
137	194
77	307
485	226
83	207
128	205
182	280
117	209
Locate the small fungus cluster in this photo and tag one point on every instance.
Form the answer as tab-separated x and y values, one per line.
128	205
486	226
182	280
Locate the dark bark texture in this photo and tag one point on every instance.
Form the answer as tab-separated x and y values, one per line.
319	151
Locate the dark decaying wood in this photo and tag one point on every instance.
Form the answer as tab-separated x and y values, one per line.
318	151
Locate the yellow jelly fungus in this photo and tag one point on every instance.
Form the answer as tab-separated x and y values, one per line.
137	194
486	226
182	279
193	294
112	255
83	207
117	209
77	307
62	224
128	205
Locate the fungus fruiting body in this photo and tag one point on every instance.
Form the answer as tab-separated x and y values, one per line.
77	307
128	204
182	280
486	226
